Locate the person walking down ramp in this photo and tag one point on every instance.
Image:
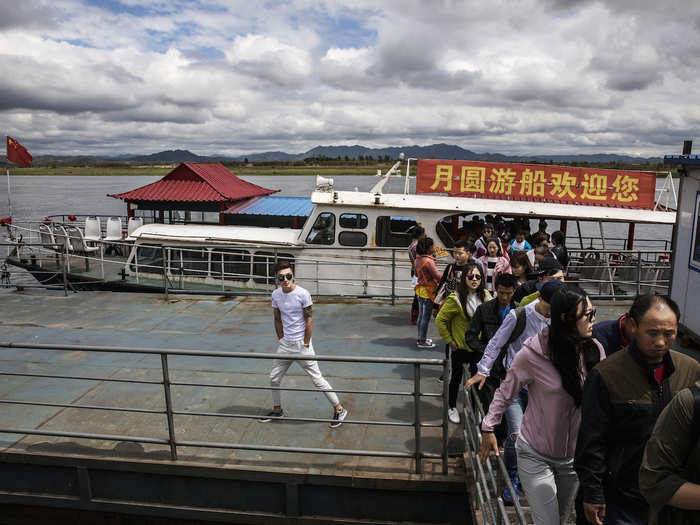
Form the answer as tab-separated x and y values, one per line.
292	313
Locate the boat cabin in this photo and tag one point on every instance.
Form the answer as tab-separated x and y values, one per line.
685	281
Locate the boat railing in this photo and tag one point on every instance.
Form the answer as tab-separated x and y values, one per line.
170	379
248	269
485	482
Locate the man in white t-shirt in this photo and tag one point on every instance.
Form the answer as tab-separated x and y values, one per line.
292	313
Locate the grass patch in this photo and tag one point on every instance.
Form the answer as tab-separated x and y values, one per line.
159	171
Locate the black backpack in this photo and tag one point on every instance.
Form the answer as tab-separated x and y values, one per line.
498	370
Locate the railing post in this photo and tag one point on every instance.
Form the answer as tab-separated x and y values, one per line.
445	420
165	277
639	273
168	406
416	415
393	276
65	269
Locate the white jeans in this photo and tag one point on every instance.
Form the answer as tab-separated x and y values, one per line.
280	367
550	484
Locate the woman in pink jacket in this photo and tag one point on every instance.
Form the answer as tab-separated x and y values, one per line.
553	365
494	263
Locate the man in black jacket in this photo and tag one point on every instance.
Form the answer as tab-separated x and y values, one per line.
614	335
622	398
487	319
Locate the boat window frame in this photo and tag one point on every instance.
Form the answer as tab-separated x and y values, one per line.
694	252
346	233
332	229
379	236
360	221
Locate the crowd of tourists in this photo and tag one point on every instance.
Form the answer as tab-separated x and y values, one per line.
603	418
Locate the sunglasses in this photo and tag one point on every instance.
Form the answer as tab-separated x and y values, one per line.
474	277
589	315
287	276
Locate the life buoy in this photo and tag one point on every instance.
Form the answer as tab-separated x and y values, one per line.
664	258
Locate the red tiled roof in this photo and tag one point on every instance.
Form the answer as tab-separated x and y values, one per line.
196	182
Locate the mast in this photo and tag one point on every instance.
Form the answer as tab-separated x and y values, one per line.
9	198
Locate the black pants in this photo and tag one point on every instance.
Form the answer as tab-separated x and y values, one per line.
459	358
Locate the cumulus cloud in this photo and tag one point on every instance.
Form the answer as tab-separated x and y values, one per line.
226	77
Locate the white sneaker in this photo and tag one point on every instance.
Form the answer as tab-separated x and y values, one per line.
453	415
425	345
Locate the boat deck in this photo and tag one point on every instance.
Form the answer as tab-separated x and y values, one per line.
342	327
347	327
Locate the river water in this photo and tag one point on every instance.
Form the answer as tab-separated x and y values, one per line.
34	197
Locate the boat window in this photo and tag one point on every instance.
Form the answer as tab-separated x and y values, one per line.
442	230
264	265
695	246
323	230
353	220
394	231
352	238
149	216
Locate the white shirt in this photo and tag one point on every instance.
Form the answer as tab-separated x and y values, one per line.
534	324
291	306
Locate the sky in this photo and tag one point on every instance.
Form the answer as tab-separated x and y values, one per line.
216	77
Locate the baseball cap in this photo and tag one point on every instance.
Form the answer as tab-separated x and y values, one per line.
548	289
549	263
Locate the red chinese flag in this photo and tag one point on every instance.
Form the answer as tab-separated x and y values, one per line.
18	153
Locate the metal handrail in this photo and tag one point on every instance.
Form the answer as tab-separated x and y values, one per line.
417	453
616	273
488	486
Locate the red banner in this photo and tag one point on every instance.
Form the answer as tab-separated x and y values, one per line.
18	153
537	182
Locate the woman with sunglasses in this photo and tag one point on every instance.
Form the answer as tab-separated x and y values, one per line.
553	365
452	323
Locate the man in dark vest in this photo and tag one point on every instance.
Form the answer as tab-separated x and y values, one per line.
622	398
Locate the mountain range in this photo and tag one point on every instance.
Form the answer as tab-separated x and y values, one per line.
435	151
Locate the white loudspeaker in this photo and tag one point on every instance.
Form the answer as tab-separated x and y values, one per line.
322	183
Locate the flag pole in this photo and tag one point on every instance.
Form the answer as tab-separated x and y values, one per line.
9	198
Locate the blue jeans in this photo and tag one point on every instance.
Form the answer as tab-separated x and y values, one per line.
514	418
425	310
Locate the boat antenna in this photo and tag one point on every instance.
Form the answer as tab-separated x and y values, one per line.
394	170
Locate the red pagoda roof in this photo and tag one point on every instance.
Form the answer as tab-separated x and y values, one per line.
196	182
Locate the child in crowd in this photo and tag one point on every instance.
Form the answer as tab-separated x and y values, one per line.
519	243
494	263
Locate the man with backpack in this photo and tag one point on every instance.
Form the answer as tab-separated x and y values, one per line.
518	326
670	475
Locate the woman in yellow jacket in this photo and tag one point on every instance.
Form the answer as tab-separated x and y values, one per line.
452	323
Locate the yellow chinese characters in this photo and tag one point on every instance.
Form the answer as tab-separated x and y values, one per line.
563	185
443	174
473	179
625	188
502	181
532	183
595	187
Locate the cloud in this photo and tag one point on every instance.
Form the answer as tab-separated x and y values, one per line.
231	77
266	58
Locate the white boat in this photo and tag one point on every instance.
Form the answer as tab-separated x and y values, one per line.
353	243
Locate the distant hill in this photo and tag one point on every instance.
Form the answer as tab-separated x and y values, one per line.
433	151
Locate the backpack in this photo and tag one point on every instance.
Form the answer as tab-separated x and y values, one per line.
498	370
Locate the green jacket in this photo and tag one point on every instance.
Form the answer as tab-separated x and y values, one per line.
452	322
670	460
529	299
